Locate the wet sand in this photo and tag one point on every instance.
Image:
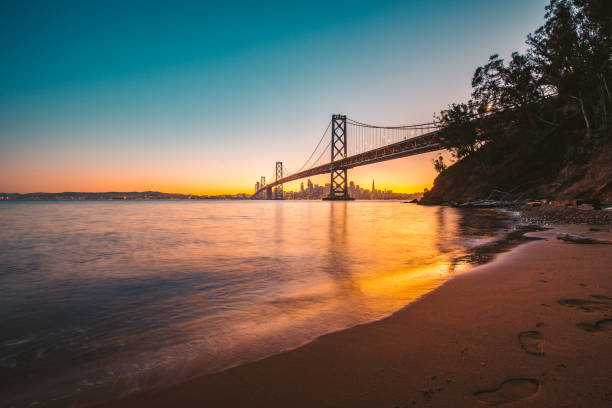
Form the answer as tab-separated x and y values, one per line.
531	329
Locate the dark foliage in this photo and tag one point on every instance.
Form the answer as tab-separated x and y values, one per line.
568	61
534	123
439	164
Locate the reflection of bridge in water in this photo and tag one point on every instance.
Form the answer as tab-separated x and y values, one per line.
353	144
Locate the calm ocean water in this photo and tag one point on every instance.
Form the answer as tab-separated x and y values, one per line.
104	297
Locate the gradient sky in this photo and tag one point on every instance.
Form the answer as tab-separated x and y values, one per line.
204	97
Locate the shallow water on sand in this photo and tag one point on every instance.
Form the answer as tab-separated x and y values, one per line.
112	297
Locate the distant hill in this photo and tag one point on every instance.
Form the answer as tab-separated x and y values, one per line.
114	195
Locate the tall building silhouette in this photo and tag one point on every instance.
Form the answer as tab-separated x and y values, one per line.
373	194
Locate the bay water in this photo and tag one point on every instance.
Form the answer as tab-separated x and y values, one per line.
103	298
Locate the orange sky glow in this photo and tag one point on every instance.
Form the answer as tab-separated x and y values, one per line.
208	108
406	175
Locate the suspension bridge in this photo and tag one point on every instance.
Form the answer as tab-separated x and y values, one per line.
352	144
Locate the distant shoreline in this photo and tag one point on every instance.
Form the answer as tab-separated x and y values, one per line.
154	195
118	195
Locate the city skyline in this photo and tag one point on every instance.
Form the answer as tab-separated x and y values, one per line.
314	191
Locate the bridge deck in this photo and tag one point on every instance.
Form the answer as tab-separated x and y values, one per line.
428	142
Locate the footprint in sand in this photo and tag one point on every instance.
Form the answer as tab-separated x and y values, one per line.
598	326
532	342
511	390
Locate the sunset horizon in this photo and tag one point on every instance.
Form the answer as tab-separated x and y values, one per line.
306	204
195	104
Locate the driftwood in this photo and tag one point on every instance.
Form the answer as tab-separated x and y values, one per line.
580	239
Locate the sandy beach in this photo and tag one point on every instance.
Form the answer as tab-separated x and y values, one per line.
531	329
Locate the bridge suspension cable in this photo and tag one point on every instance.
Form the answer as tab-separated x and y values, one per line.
358	142
315	149
419	125
365	136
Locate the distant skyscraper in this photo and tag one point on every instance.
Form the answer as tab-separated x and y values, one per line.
373	193
302	187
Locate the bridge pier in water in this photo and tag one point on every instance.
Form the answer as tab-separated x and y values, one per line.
338	186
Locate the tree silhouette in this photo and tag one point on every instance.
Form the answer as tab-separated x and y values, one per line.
568	57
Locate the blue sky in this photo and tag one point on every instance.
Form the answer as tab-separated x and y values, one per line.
205	97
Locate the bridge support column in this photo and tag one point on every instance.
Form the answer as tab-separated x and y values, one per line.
278	190
338	186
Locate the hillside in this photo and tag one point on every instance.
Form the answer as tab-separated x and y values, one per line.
539	174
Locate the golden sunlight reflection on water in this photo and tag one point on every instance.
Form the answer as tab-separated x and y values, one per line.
131	295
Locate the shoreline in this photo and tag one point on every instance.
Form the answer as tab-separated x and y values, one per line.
467	342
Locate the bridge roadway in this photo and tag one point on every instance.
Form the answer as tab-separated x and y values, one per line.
429	142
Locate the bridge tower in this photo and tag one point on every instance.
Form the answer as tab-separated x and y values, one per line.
278	190
338	186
